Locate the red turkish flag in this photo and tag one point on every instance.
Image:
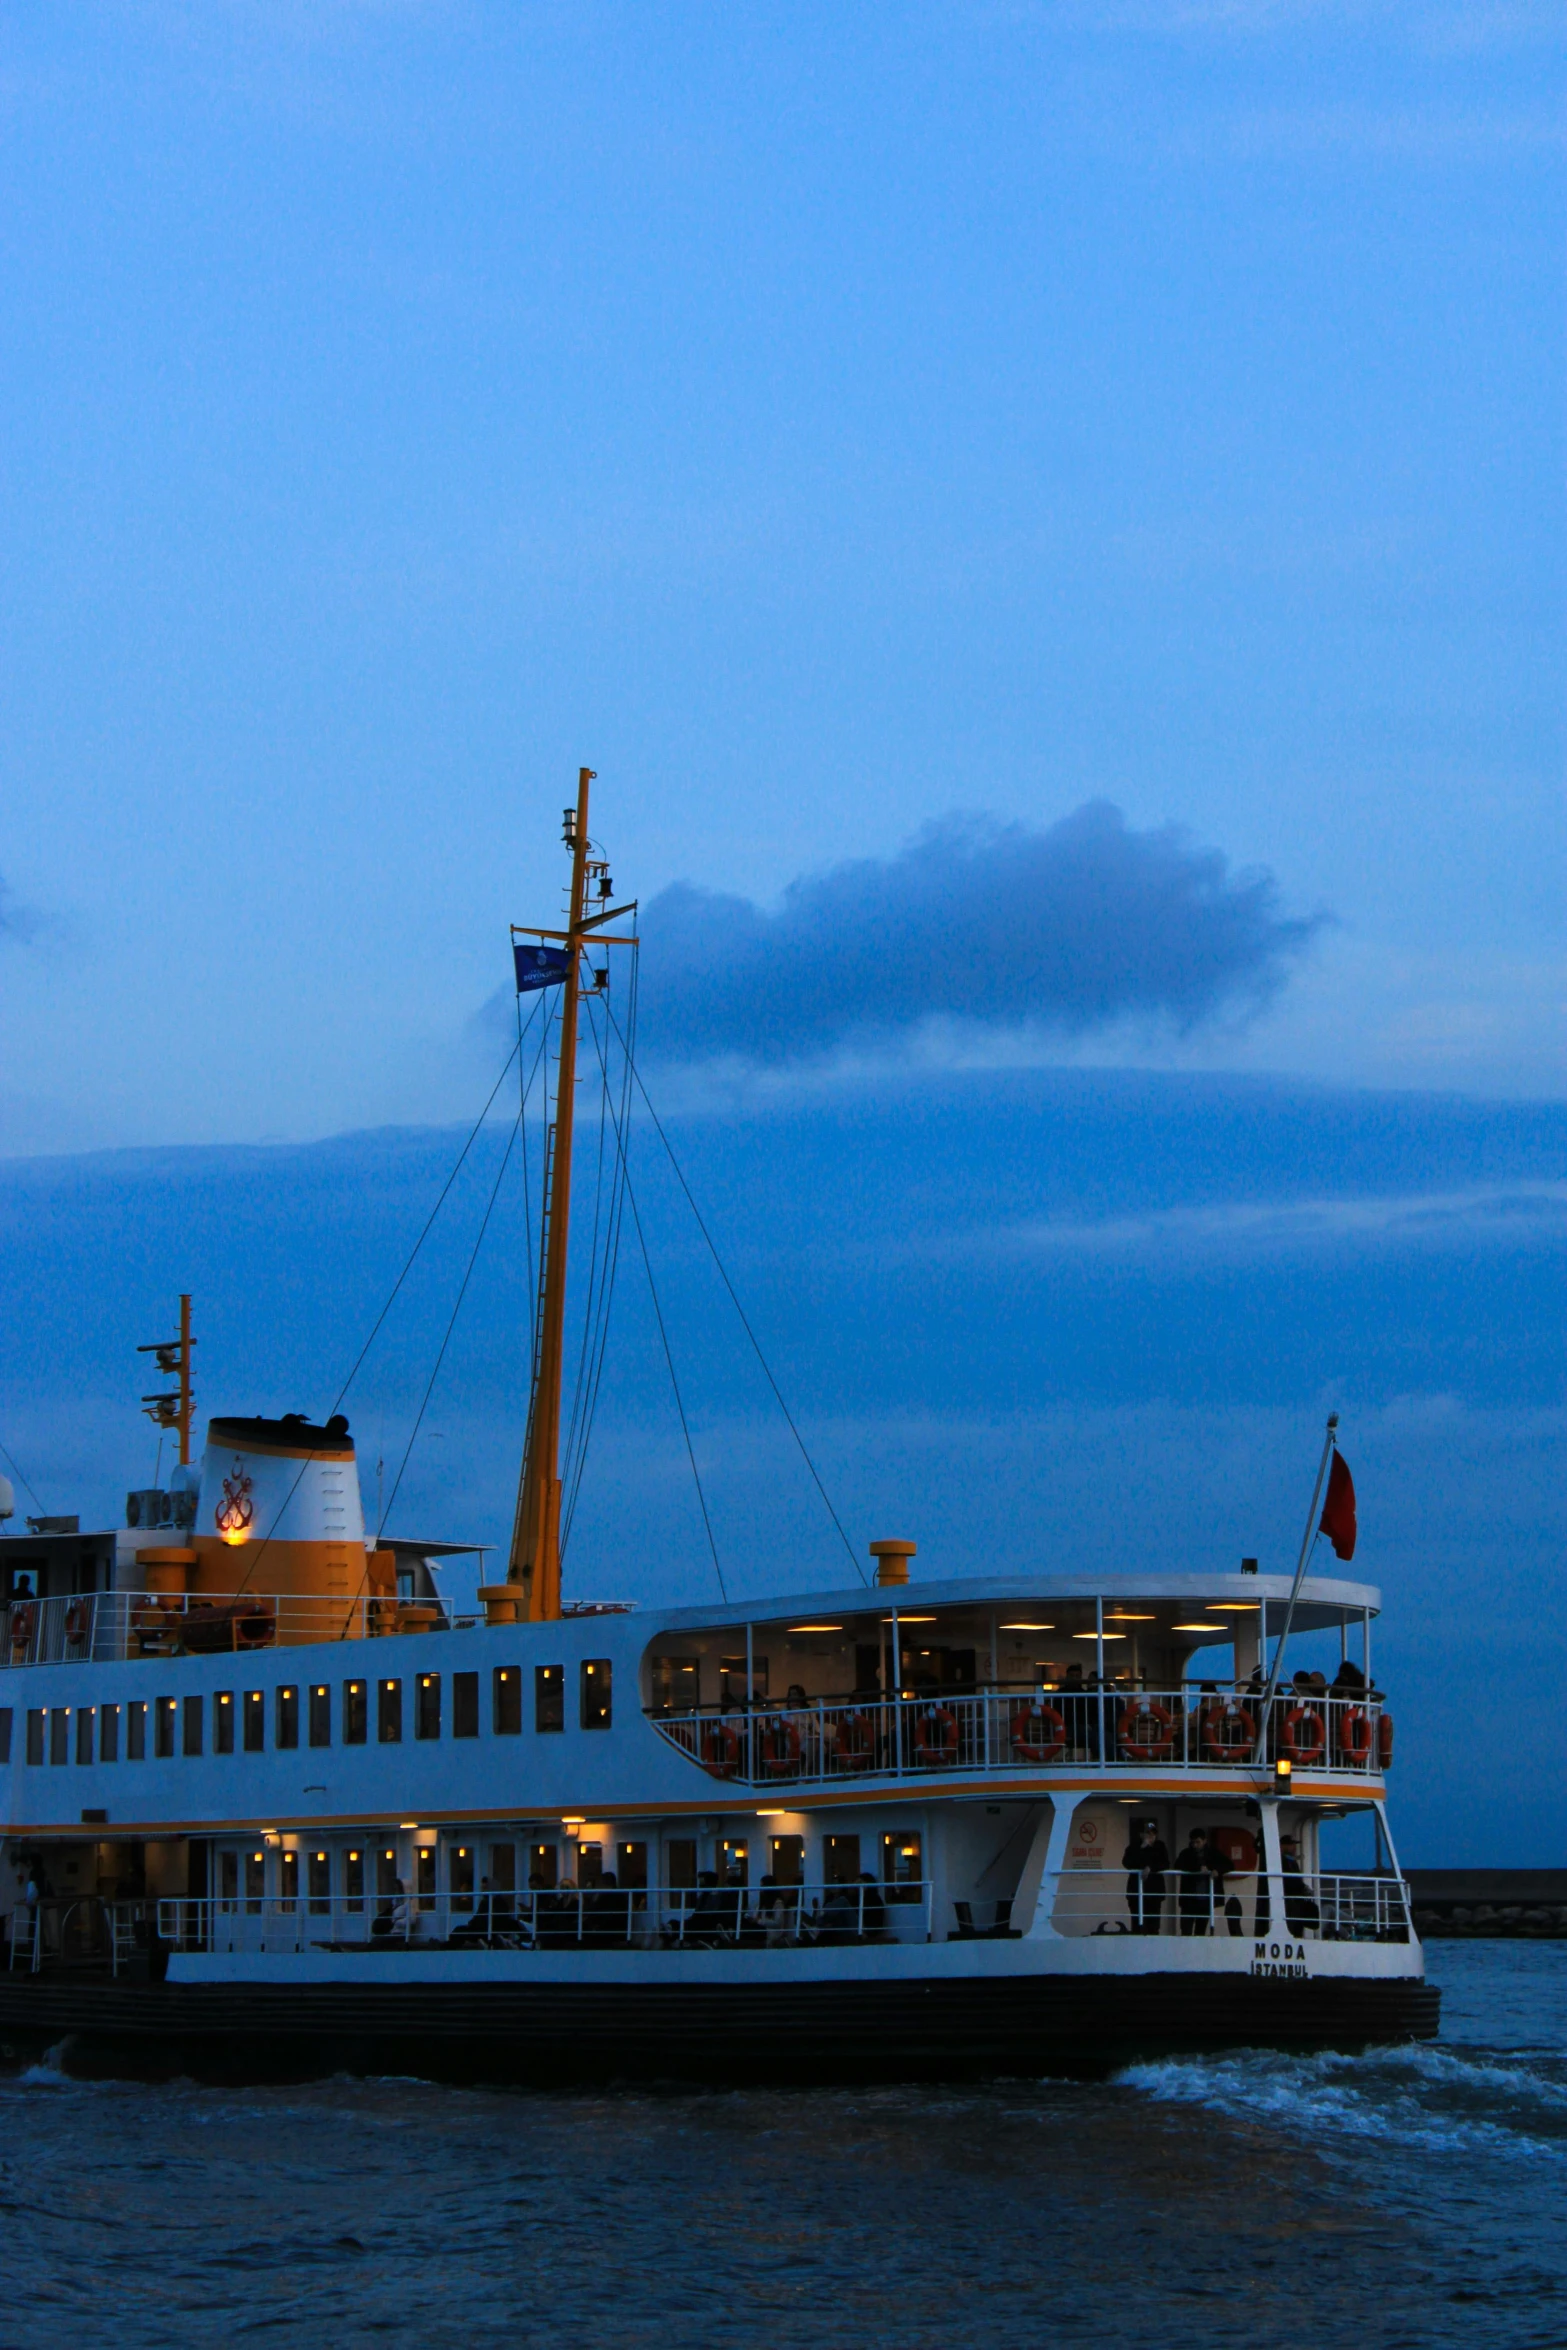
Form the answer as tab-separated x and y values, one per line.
1338	1511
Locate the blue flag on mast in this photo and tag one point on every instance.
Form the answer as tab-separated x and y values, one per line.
540	966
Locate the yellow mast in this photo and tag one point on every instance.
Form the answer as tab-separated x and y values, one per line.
535	1541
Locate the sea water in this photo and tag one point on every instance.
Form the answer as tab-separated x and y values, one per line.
1409	2196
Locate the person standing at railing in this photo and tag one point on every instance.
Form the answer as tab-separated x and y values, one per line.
1146	1861
1301	1913
1195	1897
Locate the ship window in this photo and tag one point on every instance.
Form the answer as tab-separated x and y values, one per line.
255	1882
680	1866
86	1732
136	1730
356	1712
354	1881
460	1871
108	1733
288	1878
503	1868
285	1730
228	1879
318	1878
549	1697
786	1856
387	1881
320	1713
60	1733
424	1876
163	1713
427	1705
35	1734
631	1866
841	1860
731	1680
193	1725
543	1866
595	1693
734	1860
5	1733
677	1684
590	1864
389	1712
255	1721
901	1864
465	1705
223	1722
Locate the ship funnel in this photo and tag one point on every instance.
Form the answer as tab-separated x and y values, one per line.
278	1512
892	1560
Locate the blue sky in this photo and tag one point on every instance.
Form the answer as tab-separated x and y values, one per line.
1047	520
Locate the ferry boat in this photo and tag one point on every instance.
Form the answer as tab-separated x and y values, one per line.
281	1799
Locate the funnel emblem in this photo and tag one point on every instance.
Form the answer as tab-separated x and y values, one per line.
235	1512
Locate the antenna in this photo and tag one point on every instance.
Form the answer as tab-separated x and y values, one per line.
173	1358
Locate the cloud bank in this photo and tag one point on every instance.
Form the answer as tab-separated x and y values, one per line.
988	924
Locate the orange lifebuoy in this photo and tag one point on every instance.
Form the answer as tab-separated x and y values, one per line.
77	1618
1229	1733
936	1736
24	1623
1038	1733
1136	1719
1295	1734
1384	1739
1356	1737
853	1744
779	1745
720	1749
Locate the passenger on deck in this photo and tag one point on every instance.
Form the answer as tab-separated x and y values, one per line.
1301	1914
1075	1710
796	1697
476	1925
392	1923
711	1919
840	1918
1145	1861
775	1914
1348	1681
873	1909
1196	1893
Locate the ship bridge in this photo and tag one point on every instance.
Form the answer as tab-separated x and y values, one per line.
1019	1678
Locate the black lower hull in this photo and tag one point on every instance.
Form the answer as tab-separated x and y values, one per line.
551	2034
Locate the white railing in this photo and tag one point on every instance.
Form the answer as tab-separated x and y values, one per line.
1032	1730
108	1626
1245	1904
743	1917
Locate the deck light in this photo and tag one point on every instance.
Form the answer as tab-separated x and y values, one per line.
1095	1636
1123	1615
1025	1627
412	1826
816	1627
1199	1627
902	1619
780	1814
576	1819
1283	1772
1246	1607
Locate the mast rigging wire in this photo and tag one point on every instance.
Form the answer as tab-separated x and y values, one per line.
740	1310
500	1176
21	1480
647	1266
596	1323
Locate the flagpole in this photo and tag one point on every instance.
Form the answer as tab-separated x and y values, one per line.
1306	1541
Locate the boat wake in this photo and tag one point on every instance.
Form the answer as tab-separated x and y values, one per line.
1441	2100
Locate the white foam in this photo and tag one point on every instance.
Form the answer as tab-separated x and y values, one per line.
1429	2097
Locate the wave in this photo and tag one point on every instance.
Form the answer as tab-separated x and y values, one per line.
1433	2098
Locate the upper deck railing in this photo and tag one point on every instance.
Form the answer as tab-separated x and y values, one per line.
110	1626
1030	1730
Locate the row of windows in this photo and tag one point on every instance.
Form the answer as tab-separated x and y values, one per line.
238	1718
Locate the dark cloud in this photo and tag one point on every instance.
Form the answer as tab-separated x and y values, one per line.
994	925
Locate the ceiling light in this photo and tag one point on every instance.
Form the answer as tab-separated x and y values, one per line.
1246	1606
1026	1627
908	1619
816	1627
1199	1627
1095	1635
1122	1615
